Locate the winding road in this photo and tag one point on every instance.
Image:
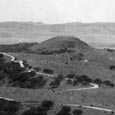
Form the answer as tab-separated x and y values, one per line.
91	107
94	86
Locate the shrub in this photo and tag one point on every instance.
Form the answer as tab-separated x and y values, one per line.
70	76
9	107
48	71
77	112
69	81
84	78
47	104
38	82
1	56
98	81
110	50
41	111
66	109
75	82
25	63
112	67
56	82
108	83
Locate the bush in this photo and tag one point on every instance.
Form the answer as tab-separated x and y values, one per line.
25	63
69	81
56	82
66	109
108	83
97	81
47	104
40	110
75	82
1	56
84	78
112	67
9	107
110	50
48	71
70	76
38	82
77	112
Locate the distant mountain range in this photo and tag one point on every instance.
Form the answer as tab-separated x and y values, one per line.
96	34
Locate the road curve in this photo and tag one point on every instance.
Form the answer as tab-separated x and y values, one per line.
13	59
94	86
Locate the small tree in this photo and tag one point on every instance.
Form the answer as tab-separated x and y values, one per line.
48	71
108	83
70	76
57	81
112	67
1	56
98	81
84	78
66	108
64	111
10	107
38	82
77	112
47	104
75	82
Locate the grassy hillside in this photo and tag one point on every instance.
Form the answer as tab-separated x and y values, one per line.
19	47
71	70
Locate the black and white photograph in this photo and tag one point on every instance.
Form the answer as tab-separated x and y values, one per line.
57	57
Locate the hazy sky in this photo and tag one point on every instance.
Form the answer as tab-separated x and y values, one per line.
57	11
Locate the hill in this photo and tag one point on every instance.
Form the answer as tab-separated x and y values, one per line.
60	44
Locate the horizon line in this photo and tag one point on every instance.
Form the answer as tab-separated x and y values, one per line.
44	23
